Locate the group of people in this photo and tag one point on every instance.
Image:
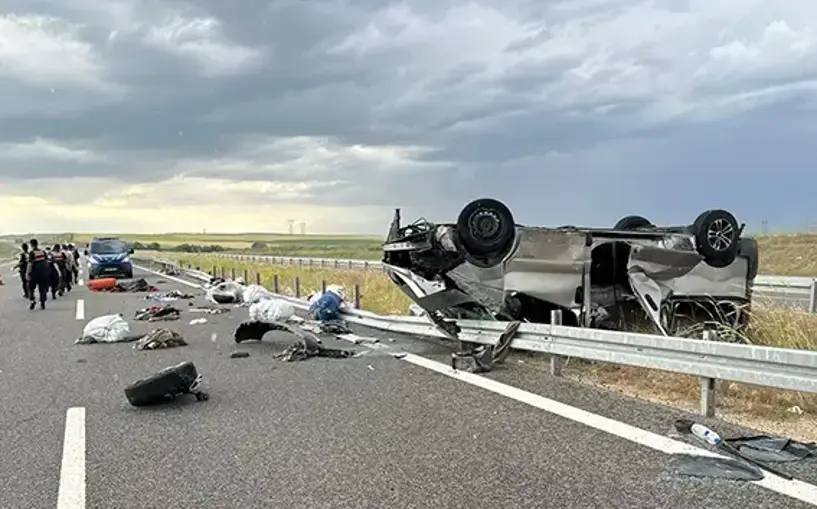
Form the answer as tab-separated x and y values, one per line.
55	269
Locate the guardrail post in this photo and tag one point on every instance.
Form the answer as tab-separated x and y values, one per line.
335	264
275	286
323	286
357	296
708	384
297	287
232	273
556	361
365	265
349	263
223	273
812	298
258	278
214	272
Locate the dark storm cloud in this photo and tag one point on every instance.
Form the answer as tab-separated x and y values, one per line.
567	109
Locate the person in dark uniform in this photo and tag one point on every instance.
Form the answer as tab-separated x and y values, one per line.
22	269
61	264
53	273
38	275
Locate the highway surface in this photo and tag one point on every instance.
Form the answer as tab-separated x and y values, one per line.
366	432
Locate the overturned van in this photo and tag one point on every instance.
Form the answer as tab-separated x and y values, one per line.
680	280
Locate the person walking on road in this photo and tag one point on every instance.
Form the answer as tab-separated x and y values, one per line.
38	274
71	264
75	252
61	264
22	269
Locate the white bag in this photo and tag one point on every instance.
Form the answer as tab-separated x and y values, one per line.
271	310
256	293
106	329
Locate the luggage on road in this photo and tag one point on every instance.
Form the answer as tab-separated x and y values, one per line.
166	385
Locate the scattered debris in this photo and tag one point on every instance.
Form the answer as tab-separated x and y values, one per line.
106	329
399	355
255	294
308	345
304	349
198	321
712	438
166	385
711	466
158	313
170	296
271	311
209	310
136	285
225	292
358	340
160	339
483	358
335	326
774	449
239	355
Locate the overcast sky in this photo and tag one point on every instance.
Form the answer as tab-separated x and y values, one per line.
172	115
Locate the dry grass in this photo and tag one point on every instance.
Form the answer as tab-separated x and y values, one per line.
766	409
788	255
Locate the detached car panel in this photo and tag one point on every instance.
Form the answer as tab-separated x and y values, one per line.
485	266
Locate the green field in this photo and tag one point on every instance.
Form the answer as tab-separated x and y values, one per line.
309	246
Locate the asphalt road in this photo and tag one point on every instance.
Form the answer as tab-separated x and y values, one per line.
366	432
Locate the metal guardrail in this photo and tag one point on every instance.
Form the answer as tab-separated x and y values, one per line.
792	290
706	359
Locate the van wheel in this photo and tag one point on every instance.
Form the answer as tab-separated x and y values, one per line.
629	223
717	237
486	231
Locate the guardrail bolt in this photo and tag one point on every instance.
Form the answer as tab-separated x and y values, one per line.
357	296
297	287
275	286
708	384
556	361
323	286
258	278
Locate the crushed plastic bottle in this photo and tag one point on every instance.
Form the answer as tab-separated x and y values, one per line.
706	434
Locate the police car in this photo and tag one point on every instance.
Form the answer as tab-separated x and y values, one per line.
109	257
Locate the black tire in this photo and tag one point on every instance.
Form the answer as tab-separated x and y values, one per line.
162	386
129	275
629	223
486	231
717	236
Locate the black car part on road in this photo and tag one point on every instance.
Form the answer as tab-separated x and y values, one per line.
166	385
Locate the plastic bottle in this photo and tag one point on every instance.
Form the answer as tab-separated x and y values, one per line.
706	434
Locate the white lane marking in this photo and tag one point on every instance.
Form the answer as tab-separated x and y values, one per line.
795	489
80	309
80	282
72	472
